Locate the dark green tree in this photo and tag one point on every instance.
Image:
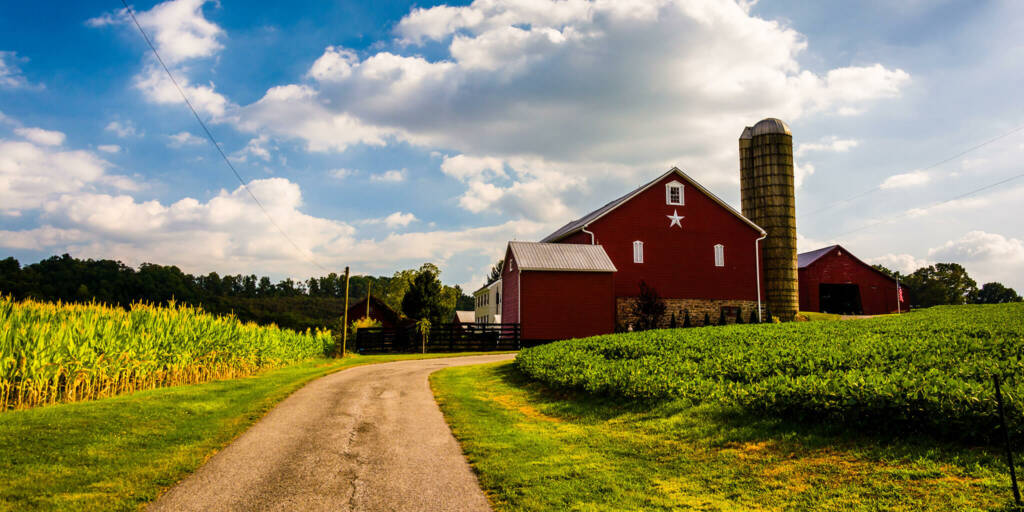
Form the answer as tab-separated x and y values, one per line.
648	308
495	272
739	315
423	298
707	320
942	283
721	316
672	321
686	319
753	317
996	293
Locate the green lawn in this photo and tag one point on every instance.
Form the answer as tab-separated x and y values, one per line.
120	453
538	450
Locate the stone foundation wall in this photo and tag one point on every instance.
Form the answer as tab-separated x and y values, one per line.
697	308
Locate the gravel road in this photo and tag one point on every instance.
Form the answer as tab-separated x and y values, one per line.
365	439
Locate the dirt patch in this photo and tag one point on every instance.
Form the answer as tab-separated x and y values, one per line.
509	402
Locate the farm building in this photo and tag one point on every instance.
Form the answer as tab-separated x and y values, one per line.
488	303
375	309
698	253
832	280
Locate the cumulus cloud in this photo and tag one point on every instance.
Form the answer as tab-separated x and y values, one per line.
906	180
558	83
392	176
122	129
182	139
902	262
32	174
41	136
987	257
341	173
10	71
831	144
180	32
109	148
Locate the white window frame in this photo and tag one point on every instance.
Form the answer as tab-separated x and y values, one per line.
638	251
719	255
668	194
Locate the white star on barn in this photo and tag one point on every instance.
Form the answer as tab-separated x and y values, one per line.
675	218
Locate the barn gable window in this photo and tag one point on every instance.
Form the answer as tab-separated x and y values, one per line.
719	255
674	194
638	252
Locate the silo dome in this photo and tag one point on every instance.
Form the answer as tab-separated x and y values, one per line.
771	125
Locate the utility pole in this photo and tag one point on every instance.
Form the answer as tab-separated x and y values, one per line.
344	327
369	285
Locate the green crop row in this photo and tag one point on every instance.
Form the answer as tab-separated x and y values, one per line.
930	370
69	352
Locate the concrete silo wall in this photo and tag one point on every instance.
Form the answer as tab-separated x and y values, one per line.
768	199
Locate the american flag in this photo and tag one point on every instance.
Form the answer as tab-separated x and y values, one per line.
899	293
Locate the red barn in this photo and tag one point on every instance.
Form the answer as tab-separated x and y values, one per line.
832	280
697	252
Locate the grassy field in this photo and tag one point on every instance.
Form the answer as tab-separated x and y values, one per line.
119	453
537	449
929	372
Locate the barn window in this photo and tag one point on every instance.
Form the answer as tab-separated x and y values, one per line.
719	255
638	252
674	193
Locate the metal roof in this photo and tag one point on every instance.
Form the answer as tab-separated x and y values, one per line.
770	125
806	258
582	222
466	317
561	257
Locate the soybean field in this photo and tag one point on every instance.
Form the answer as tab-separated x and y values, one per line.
70	352
929	371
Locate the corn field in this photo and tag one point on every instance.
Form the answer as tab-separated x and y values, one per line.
72	352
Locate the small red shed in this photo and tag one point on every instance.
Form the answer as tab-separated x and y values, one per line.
376	310
832	280
558	291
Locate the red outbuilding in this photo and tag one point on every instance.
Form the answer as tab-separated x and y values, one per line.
697	252
832	280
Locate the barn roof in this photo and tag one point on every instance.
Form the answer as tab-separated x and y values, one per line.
561	257
806	258
465	317
582	222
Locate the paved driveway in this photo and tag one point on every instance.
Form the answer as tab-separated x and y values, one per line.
365	439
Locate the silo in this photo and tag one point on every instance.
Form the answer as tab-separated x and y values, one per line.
768	199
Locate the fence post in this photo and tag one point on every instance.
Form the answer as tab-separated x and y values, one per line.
1006	441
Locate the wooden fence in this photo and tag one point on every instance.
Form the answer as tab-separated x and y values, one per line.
476	337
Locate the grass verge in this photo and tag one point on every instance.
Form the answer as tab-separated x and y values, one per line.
120	453
536	450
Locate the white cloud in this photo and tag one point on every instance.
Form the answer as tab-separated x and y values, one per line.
180	32
560	82
398	219
342	173
10	70
178	28
157	87
122	129
31	174
905	180
182	139
109	148
987	257
255	147
392	176
831	144
41	136
902	263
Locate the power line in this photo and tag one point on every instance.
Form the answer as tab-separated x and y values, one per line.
933	205
932	166
209	135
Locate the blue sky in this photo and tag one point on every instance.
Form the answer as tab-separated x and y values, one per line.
382	135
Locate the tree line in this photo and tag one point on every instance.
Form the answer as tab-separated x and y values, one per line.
948	283
317	302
